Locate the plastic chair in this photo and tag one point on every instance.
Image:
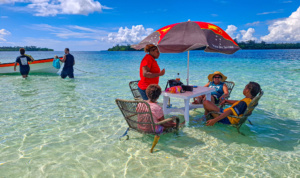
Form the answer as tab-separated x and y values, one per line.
243	118
230	85
133	85
139	118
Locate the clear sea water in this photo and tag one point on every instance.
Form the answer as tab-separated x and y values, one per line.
52	127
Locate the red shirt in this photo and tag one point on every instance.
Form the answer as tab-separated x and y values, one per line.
150	62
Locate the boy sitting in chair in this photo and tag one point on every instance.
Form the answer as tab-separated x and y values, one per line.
237	109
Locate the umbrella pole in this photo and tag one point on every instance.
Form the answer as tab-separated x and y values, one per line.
188	68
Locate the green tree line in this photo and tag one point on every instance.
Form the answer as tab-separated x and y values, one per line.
243	45
123	48
27	48
263	45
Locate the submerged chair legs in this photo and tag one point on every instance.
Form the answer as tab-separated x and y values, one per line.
156	138
125	134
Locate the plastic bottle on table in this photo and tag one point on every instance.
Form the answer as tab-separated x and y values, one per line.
178	77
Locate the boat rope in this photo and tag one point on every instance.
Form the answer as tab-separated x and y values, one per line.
83	71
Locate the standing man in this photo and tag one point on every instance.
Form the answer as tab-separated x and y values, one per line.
23	63
69	61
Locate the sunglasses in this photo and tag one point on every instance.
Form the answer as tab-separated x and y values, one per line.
217	77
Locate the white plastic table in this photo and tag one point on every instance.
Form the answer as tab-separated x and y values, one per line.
200	90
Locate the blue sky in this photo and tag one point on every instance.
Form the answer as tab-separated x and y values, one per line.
91	25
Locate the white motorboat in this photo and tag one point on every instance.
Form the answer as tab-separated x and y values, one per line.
37	66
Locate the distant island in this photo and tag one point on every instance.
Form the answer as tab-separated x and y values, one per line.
27	48
123	48
243	45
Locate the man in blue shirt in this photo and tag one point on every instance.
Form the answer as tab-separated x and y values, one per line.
23	63
69	61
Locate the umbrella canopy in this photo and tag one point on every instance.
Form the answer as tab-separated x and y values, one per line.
190	35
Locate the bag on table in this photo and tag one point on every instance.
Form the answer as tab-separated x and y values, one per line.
175	89
172	83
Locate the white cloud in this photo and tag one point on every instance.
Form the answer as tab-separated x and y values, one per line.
72	32
54	7
3	33
253	23
231	29
60	45
90	36
273	12
242	35
129	36
285	30
82	28
248	35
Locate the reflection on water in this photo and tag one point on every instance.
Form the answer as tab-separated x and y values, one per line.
70	128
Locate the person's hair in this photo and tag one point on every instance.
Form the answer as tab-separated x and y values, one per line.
55	56
254	88
67	49
150	47
22	51
153	91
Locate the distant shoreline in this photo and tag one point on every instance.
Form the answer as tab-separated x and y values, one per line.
27	48
251	45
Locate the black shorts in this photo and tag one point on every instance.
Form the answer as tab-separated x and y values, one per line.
24	71
67	72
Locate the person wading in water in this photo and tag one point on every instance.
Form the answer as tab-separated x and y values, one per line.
69	61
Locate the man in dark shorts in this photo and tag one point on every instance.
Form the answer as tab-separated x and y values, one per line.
237	108
69	61
23	63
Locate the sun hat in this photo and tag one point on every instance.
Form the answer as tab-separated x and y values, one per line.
211	76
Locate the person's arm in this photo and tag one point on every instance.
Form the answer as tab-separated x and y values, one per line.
220	117
63	59
15	66
148	74
161	119
206	85
167	124
74	63
31	58
228	102
226	93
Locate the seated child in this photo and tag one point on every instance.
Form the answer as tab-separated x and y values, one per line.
237	109
153	92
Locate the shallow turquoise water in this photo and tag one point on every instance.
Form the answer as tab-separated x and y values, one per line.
70	128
